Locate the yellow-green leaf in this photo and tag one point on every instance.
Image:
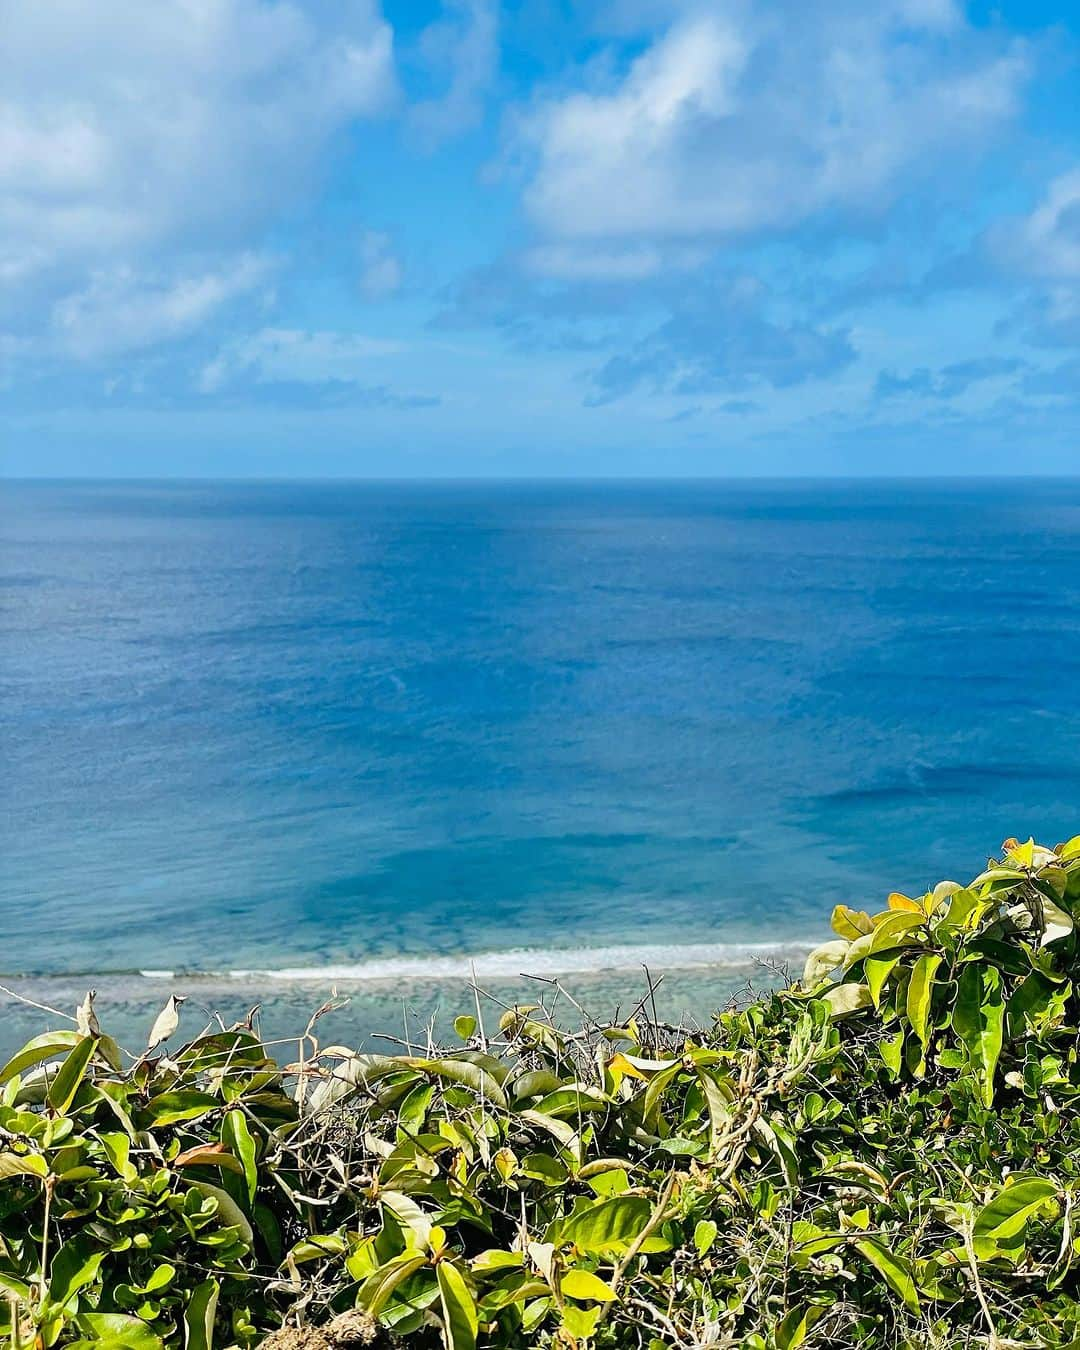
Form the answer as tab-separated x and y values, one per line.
69	1076
894	1269
920	992
459	1316
584	1285
978	1019
877	969
851	923
846	999
22	1165
1007	1214
46	1046
375	1291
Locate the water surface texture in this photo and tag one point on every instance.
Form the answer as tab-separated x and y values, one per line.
349	728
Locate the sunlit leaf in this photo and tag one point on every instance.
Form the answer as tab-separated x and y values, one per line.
1006	1216
824	959
920	993
114	1331
582	1284
851	923
978	1020
465	1027
843	1000
894	1269
69	1076
49	1045
459	1316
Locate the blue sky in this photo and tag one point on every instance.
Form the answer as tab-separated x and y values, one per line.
329	237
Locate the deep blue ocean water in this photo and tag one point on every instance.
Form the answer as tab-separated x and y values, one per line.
280	727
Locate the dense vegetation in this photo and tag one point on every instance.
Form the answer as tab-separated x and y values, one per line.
884	1154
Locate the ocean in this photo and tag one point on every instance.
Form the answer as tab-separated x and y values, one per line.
262	741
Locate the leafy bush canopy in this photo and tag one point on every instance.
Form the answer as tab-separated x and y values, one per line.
883	1154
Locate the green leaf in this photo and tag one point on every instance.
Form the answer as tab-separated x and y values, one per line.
11	1285
69	1076
571	1100
580	1322
892	1052
47	1046
315	1247
464	1072
496	1259
376	1290
889	932
845	999
797	1325
414	1223
543	1167
167	1108
229	1212
894	1269
1036	1004
22	1165
877	969
610	1226
978	1020
562	1130
705	1233
465	1027
114	1331
235	1133
535	1083
895	931
584	1285
851	923
1007	1214
161	1278
920	992
199	1316
964	911
75	1266
716	1100
117	1148
459	1316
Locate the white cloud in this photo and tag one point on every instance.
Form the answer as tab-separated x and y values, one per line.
614	262
740	119
380	269
292	355
121	310
1047	242
132	133
463	48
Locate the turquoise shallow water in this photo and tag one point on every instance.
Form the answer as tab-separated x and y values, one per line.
269	737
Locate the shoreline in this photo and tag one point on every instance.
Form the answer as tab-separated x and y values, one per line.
513	963
366	1010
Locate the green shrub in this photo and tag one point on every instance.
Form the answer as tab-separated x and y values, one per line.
885	1154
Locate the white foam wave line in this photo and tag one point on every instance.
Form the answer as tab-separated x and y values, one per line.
526	961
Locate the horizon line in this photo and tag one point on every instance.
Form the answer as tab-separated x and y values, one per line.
467	478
